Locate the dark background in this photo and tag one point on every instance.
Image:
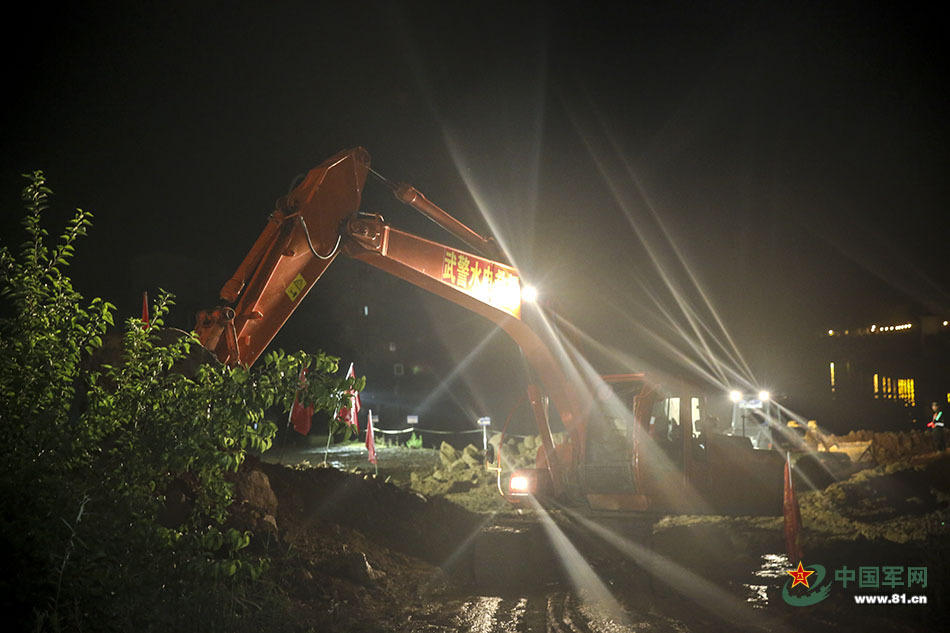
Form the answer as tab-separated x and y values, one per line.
662	171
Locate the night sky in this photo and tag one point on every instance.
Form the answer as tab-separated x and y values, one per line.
780	166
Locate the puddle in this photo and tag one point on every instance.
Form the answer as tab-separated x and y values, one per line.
767	579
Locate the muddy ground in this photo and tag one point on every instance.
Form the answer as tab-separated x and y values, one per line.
435	548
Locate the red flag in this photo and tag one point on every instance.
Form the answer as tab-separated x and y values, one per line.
370	440
793	516
348	413
299	414
145	310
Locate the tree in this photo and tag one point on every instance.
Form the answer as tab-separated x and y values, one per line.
93	448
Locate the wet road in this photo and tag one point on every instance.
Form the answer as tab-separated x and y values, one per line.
556	612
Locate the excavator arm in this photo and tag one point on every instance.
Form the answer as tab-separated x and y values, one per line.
320	219
299	242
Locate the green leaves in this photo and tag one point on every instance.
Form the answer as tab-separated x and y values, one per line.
414	441
132	428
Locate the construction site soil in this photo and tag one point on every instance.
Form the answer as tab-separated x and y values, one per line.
428	544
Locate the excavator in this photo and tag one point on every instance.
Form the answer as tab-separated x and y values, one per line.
651	454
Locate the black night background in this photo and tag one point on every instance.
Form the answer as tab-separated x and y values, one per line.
767	170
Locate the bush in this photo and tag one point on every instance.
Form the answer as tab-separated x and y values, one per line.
91	454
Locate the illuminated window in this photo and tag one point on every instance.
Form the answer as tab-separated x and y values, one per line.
673	409
906	391
694	405
877	392
831	367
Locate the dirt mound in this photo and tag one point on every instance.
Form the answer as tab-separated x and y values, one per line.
815	471
457	471
430	529
887	447
352	552
461	476
899	508
902	502
460	471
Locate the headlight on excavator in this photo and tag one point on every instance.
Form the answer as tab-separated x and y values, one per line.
522	483
519	484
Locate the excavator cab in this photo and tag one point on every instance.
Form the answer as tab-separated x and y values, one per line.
662	452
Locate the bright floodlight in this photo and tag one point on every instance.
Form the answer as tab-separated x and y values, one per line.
519	484
735	396
529	294
764	395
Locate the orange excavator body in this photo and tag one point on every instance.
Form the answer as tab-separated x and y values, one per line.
320	219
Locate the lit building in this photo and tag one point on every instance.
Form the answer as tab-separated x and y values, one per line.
884	375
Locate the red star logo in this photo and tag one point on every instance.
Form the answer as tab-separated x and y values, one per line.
800	575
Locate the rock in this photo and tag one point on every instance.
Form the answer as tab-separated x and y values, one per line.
472	456
457	466
447	453
253	487
241	517
353	566
268	525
